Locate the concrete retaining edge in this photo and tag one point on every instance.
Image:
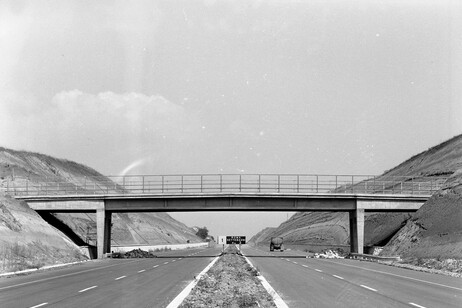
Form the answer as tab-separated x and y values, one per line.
41	268
362	256
122	249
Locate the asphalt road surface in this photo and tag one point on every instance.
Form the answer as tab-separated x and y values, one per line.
108	283
305	282
300	281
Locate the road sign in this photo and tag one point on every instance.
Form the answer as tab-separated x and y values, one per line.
235	239
221	239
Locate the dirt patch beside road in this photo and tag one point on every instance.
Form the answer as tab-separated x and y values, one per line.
232	283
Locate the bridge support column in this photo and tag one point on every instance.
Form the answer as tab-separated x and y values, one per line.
357	230
103	230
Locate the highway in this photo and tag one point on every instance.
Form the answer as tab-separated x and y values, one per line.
108	283
305	282
301	282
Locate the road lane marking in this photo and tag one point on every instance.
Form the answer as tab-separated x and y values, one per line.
416	305
180	297
39	305
84	290
173	260
369	288
121	277
294	262
338	277
155	266
165	262
305	265
141	271
318	270
396	275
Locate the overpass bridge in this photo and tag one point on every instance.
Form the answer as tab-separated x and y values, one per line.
355	194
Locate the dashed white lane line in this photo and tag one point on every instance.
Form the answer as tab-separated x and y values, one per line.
165	262
369	288
155	266
141	271
294	262
318	270
338	277
84	290
39	305
416	305
121	277
173	260
305	265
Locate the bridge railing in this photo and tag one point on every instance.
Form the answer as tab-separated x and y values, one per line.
226	183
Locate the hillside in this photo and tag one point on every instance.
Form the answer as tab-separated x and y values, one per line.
316	229
27	241
435	231
129	228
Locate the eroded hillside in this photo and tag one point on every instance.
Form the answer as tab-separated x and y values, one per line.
316	229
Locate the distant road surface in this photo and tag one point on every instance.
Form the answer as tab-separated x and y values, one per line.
108	283
303	282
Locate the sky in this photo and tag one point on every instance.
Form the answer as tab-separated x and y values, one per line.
181	87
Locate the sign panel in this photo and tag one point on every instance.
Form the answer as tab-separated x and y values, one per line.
221	239
233	239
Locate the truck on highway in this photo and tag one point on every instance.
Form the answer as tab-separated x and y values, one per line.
276	243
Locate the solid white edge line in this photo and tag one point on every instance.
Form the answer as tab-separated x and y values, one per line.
120	277
87	289
39	305
417	305
180	297
276	298
338	277
369	288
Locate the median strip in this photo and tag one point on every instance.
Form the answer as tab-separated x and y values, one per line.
84	290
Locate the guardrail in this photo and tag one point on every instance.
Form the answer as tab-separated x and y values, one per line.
224	183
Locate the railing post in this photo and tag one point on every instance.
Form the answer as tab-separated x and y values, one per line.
317	183
240	183
336	181
182	183
201	182
352	184
162	177
279	183
221	182
123	184
143	184
298	183
259	183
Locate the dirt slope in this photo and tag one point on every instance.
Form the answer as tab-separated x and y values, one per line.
435	231
27	241
132	228
316	228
